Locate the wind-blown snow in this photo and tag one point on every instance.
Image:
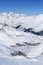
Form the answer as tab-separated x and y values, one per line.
21	37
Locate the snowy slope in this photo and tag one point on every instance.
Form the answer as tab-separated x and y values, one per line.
21	38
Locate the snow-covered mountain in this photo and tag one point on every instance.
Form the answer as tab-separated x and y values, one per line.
21	36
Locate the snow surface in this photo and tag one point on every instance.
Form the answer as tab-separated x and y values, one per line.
16	46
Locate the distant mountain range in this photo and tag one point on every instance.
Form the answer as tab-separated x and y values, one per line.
21	35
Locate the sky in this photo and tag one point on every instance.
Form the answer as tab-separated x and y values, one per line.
28	7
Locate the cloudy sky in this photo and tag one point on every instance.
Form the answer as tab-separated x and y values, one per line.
28	7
